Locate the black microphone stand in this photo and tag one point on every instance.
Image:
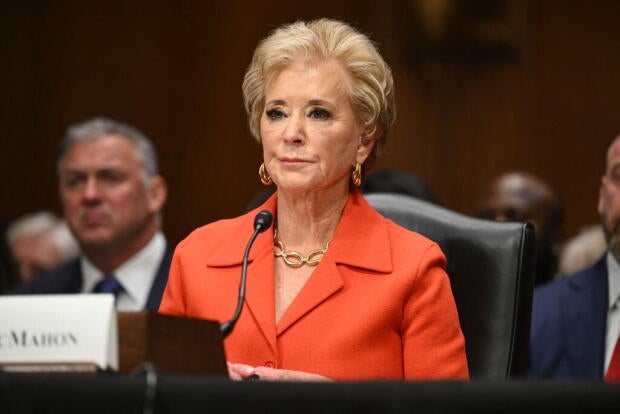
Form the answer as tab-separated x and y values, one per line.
262	222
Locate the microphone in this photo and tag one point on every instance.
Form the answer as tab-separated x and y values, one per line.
262	222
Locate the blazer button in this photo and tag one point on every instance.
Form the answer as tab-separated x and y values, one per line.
269	364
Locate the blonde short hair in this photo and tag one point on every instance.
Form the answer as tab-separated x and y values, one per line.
372	87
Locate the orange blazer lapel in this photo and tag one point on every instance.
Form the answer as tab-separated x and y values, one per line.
260	292
361	240
324	282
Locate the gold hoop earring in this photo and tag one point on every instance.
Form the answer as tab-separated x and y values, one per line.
264	175
356	175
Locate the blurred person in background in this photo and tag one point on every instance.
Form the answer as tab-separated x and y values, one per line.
582	250
519	196
112	197
576	319
39	242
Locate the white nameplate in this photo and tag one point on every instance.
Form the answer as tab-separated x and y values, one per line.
59	329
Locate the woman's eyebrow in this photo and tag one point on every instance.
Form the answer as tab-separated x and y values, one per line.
318	102
276	102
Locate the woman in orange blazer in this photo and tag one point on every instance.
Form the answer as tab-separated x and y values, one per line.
334	290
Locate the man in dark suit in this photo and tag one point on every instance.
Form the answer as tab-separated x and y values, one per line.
576	320
112	196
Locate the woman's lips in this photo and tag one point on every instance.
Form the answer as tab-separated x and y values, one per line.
293	160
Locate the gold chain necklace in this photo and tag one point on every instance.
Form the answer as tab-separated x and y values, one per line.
296	259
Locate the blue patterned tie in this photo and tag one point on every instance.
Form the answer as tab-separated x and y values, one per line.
109	284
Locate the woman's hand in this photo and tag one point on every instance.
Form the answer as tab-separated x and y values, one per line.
248	372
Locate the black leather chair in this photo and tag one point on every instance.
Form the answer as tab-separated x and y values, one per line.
491	270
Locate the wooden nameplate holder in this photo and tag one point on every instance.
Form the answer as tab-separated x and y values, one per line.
173	344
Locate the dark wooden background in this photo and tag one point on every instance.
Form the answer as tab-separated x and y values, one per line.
497	85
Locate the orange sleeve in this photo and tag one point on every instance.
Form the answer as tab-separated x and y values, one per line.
433	344
173	300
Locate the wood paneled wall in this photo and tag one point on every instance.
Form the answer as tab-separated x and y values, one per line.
174	69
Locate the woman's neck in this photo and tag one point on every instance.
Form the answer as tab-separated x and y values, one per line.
308	221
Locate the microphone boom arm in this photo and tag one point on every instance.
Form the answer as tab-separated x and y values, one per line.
262	222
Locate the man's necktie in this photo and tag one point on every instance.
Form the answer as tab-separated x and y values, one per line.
109	284
613	372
